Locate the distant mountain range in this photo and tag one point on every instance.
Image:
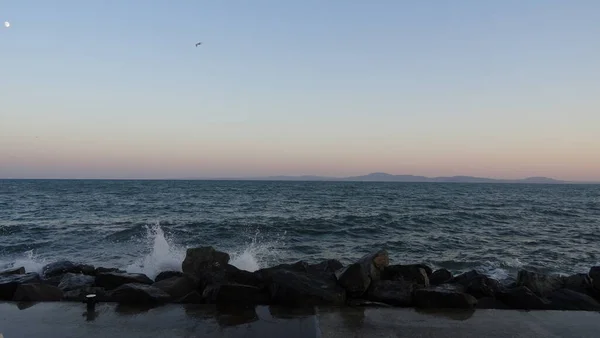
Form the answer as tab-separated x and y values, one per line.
384	177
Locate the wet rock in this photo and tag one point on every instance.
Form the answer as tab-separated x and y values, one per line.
491	303
443	297
357	277
302	289
522	298
72	281
37	293
565	299
100	270
193	297
397	292
366	303
478	285
414	274
580	282
62	267
13	271
112	280
230	274
78	295
203	258
177	287
539	284
327	266
9	284
167	274
440	276
595	276
235	294
143	294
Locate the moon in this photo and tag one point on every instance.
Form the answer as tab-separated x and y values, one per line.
6	24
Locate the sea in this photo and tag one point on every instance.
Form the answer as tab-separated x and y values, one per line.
146	225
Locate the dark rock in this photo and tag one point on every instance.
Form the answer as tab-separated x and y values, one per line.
231	274
235	294
397	293
204	258
357	277
478	285
9	284
595	275
302	289
539	284
78	295
37	293
54	280
522	298
112	280
440	276
328	266
366	303
167	274
491	303
414	274
443	297
87	269
177	287
193	297
100	270
13	271
72	281
580	282
135	293
565	299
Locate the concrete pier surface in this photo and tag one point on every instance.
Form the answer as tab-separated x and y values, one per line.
110	320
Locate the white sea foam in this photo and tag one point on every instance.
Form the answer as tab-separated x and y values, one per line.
29	260
255	255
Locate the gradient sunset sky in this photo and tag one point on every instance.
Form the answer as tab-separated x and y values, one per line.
116	88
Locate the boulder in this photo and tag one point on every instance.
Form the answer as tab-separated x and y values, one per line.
580	282
9	284
440	276
101	269
203	258
62	267
491	303
112	280
13	271
193	297
177	287
235	294
327	266
478	285
595	276
565	299
167	274
72	281
230	274
78	295
37	293
357	277
522	298
143	294
443	297
538	283
414	274
299	288
397	292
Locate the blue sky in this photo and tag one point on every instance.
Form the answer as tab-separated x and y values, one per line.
117	88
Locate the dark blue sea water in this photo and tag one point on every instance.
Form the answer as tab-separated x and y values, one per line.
146	225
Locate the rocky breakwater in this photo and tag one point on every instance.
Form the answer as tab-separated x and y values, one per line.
206	277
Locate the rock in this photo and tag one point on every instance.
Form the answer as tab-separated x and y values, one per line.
443	297
440	276
100	270
204	258
62	267
565	299
9	284
13	271
397	293
37	293
72	281
231	274
414	274
478	285
193	297
177	287
167	274
300	288
112	280
366	303
580	282
235	294
54	280
595	276
491	303
522	298
78	295
357	277
539	284
327	266
136	293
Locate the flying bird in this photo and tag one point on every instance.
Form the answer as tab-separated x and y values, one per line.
198	44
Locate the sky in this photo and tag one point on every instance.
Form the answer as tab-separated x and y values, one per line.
117	89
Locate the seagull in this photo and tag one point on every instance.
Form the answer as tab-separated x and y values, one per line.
198	44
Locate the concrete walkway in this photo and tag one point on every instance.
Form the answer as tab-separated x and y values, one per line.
71	320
